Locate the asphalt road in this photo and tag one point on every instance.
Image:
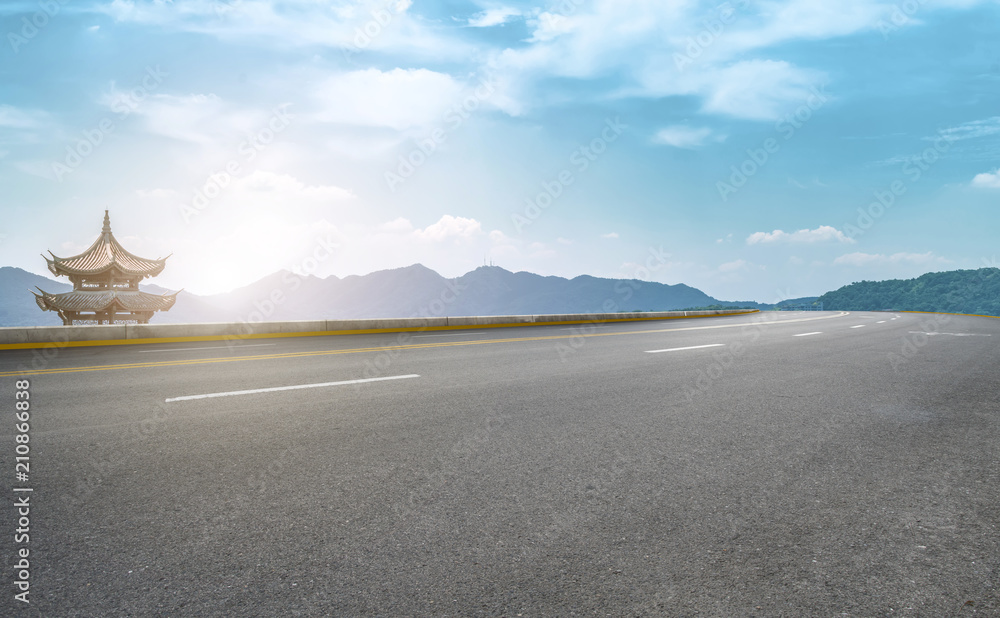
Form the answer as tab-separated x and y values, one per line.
820	464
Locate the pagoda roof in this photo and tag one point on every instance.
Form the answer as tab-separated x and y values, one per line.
106	253
104	300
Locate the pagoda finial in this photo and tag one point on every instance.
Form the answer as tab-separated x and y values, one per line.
107	223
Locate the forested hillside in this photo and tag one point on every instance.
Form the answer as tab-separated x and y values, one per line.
959	291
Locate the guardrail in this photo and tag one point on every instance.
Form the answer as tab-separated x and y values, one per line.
12	338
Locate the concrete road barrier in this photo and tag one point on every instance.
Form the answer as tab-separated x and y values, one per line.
12	338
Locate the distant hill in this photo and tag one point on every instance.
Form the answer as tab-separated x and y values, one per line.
419	291
798	302
17	305
402	292
18	308
490	290
960	291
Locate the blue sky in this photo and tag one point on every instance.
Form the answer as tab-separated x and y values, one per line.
754	149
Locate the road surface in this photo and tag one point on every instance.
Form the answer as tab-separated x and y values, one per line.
762	465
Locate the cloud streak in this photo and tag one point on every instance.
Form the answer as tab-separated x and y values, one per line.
822	234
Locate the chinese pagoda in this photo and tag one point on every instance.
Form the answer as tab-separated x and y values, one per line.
105	285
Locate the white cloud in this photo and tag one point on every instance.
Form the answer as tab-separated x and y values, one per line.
823	233
356	27
156	194
758	89
639	43
735	265
399	99
494	17
549	25
500	238
14	118
192	118
989	180
282	188
503	246
665	49
199	118
681	136
868	259
256	194
971	130
449	227
540	250
610	235
398	225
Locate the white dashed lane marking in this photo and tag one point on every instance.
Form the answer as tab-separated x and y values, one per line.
287	388
691	347
918	332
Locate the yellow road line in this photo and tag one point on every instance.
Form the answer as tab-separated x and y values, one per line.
416	346
969	315
329	333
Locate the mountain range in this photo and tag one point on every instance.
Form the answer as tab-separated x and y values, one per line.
416	291
402	292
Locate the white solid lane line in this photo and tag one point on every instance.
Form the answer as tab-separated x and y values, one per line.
859	326
449	335
920	332
692	347
807	334
880	322
288	388
218	347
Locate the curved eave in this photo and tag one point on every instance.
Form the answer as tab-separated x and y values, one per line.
40	300
105	301
106	253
